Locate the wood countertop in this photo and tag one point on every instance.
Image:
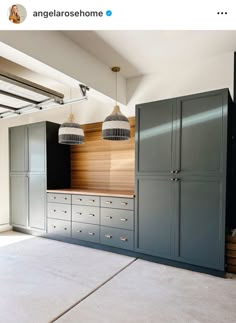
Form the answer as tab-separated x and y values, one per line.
127	194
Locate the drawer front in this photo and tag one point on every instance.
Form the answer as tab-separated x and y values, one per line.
87	214
123	219
117	238
59	198
86	200
117	203
59	227
59	211
87	232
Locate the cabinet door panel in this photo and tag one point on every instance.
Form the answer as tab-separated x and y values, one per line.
18	149
37	148
201	225
154	136
155	216
200	144
37	201
19	200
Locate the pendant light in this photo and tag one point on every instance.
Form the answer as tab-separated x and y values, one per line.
70	132
116	126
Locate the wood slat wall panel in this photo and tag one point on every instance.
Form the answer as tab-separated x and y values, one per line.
102	164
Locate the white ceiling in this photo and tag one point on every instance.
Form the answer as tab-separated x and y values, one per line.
144	52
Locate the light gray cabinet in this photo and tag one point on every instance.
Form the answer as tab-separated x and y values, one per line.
37	203
181	187
19	185
18	149
37	147
37	162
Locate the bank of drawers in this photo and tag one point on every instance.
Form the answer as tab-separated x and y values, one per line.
59	214
105	220
117	222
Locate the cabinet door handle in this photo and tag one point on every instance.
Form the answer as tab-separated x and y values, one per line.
109	217
124	220
91	233
54	197
172	179
63	211
123	203
176	179
108	202
78	199
123	239
65	228
91	214
108	236
79	213
91	201
53	210
79	231
176	171
54	227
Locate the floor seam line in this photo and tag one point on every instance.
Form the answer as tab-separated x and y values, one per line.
93	291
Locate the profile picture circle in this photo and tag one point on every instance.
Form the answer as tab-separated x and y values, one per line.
17	13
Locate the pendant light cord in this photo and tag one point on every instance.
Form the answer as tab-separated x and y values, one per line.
116	88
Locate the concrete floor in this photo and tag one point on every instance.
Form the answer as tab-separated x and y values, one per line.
49	281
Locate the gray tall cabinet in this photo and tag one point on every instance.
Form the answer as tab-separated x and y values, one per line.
37	163
182	145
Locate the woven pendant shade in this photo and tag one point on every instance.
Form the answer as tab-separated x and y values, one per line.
70	132
116	126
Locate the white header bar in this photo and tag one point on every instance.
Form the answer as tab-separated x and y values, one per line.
120	15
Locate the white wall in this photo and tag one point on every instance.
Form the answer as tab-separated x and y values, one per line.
57	51
177	80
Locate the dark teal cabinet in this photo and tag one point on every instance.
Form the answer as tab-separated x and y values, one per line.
155	216
182	158
37	163
201	222
155	137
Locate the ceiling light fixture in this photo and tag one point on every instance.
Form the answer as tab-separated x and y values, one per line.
116	126
70	132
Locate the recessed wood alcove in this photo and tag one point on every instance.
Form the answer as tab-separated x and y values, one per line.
101	164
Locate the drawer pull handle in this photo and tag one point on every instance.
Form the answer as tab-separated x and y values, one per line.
65	228
108	236
91	233
109	217
91	201
65	198
54	210
78	199
79	213
91	214
124	203
124	220
80	231
53	197
123	239
63	211
54	227
108	202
